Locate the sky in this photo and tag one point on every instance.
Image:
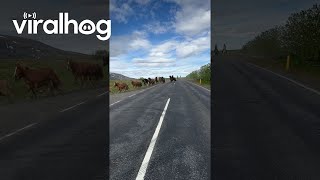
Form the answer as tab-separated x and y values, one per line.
49	9
236	22
159	37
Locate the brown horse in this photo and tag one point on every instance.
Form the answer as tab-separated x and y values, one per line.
161	79
151	81
121	86
136	84
37	78
85	71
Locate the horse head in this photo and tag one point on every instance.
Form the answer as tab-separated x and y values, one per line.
18	72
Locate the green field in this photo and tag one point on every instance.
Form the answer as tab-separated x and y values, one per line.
7	68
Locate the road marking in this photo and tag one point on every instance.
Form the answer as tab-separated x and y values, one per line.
293	81
72	107
115	103
199	86
145	162
102	94
17	131
132	95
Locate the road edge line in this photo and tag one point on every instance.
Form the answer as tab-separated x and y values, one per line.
288	79
199	86
144	165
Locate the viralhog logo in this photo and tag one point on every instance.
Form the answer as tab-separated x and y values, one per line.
61	26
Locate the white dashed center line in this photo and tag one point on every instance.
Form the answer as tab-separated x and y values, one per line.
72	107
17	131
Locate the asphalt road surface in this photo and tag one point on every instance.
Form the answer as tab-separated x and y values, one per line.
265	126
61	138
161	133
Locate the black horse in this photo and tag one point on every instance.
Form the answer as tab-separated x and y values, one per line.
172	78
145	81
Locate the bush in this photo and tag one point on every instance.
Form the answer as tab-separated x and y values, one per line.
204	73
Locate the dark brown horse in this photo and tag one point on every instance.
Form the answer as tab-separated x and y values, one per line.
37	78
85	71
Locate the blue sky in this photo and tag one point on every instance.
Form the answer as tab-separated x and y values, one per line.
159	37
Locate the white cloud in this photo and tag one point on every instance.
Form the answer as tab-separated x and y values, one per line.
192	25
157	27
120	45
193	17
154	62
120	12
164	49
194	46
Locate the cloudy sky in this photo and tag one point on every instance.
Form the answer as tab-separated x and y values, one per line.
159	38
235	22
49	9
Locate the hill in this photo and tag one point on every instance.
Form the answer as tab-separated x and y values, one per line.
116	76
13	47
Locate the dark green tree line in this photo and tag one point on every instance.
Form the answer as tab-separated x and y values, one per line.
299	37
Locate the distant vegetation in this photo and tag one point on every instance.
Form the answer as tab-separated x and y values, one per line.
299	37
204	73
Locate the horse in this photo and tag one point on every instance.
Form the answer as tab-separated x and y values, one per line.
172	78
121	86
37	78
151	81
145	81
162	79
94	72
85	71
136	84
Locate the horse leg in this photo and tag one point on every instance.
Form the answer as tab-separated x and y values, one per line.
51	88
34	95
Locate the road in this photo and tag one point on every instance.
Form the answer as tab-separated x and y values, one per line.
63	137
161	133
265	126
